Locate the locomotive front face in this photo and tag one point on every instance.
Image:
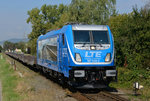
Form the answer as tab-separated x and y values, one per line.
93	53
93	46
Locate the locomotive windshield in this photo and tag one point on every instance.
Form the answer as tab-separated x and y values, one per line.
94	37
81	37
100	37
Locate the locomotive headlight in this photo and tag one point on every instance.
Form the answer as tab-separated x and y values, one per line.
107	58
78	57
93	47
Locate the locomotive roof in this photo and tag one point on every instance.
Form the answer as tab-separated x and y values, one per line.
89	27
74	27
47	35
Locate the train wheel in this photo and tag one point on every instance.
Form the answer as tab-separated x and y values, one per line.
61	79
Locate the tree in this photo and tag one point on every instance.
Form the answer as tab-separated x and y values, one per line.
132	34
91	11
36	19
20	45
119	26
38	27
52	16
1	48
8	46
43	20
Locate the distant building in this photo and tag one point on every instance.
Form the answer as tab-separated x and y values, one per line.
18	50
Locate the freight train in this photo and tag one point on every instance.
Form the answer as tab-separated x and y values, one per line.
81	55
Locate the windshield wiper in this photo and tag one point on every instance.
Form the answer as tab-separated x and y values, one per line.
100	45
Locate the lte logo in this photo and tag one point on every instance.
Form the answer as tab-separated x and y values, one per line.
92	54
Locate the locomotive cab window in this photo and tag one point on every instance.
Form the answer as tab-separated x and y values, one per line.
63	39
100	37
81	36
91	37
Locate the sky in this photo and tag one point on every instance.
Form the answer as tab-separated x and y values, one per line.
13	14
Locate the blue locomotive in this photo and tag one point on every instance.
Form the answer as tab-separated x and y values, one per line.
81	55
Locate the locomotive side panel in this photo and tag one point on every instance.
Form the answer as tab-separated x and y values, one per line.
47	52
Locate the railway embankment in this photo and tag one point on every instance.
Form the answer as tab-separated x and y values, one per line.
33	86
27	85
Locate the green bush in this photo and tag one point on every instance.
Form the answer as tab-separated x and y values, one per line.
132	35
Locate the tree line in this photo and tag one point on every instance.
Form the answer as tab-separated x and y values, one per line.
50	17
9	46
1	48
131	31
132	38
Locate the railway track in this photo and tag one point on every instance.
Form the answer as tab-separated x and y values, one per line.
101	96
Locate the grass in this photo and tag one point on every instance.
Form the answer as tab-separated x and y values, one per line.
8	80
127	77
31	86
